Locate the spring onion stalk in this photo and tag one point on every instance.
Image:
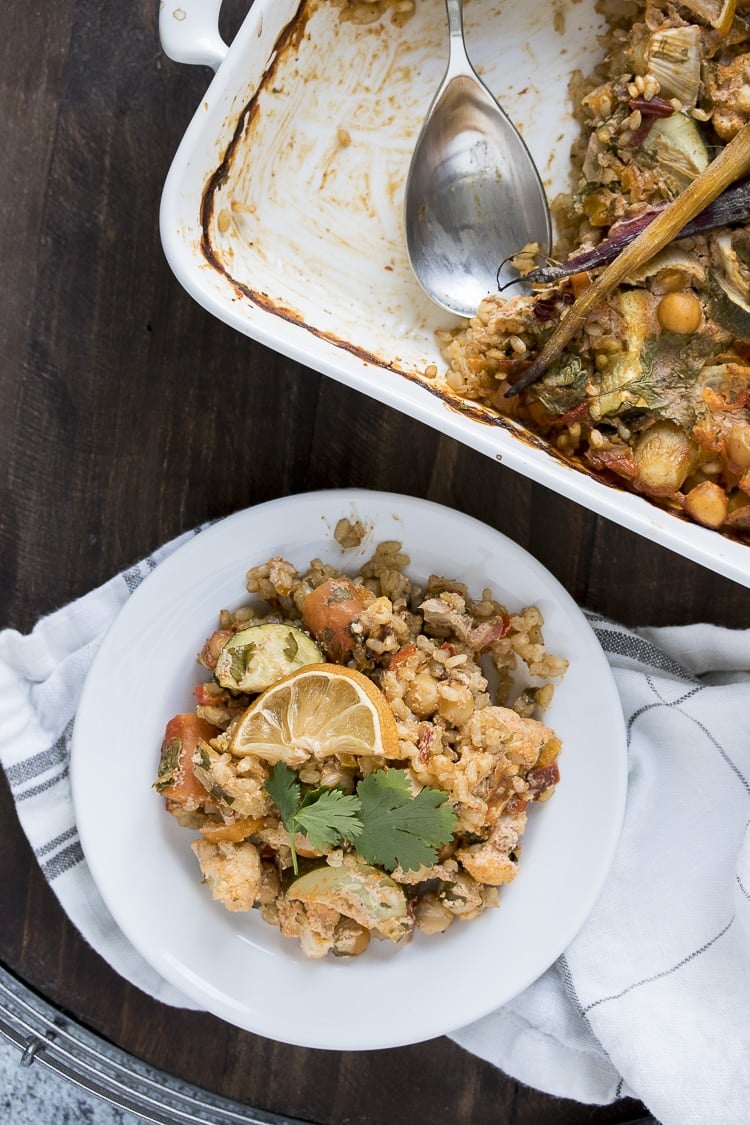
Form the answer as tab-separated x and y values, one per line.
732	206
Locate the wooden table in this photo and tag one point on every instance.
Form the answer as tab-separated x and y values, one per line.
128	415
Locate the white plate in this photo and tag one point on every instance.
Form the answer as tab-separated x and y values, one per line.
236	965
303	248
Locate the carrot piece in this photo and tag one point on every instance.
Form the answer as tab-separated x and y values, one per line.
176	780
330	611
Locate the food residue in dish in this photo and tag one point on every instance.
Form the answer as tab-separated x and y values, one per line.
312	181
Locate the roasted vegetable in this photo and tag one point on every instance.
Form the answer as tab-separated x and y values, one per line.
673	56
664	456
732	206
716	13
676	144
358	891
730	290
636	307
331	610
256	657
731	163
176	780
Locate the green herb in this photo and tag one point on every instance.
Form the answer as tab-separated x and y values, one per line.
169	765
291	647
398	829
221	795
238	663
326	816
284	790
388	826
564	385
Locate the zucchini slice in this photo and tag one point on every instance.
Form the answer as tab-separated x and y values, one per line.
357	891
258	656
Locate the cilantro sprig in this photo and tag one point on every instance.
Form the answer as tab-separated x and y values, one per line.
386	823
398	828
325	816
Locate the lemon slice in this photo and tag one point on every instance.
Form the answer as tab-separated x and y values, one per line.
317	711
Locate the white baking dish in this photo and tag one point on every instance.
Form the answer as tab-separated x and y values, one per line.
296	240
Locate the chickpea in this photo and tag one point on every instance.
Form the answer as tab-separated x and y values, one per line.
738	446
680	312
456	704
350	939
422	695
665	456
707	504
431	916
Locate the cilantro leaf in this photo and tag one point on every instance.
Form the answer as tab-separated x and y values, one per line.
387	825
398	829
327	815
284	790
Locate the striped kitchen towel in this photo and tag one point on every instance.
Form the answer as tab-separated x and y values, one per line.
649	1000
41	676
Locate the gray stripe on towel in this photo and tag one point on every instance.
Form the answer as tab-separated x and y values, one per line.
40	763
676	704
53	845
43	786
135	575
63	861
638	648
659	976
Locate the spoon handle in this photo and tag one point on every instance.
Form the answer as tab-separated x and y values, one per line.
458	59
455	10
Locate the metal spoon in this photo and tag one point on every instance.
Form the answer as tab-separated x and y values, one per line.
473	194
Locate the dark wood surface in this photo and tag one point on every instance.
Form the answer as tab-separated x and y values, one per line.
128	414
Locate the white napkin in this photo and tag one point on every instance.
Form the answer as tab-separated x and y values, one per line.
41	676
651	998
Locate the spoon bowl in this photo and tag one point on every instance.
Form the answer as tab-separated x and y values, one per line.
474	196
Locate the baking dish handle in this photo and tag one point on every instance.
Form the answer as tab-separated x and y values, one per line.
189	32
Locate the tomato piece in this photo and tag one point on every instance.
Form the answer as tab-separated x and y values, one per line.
176	780
541	778
209	654
401	655
330	611
207	695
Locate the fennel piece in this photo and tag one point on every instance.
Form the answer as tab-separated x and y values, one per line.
731	164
